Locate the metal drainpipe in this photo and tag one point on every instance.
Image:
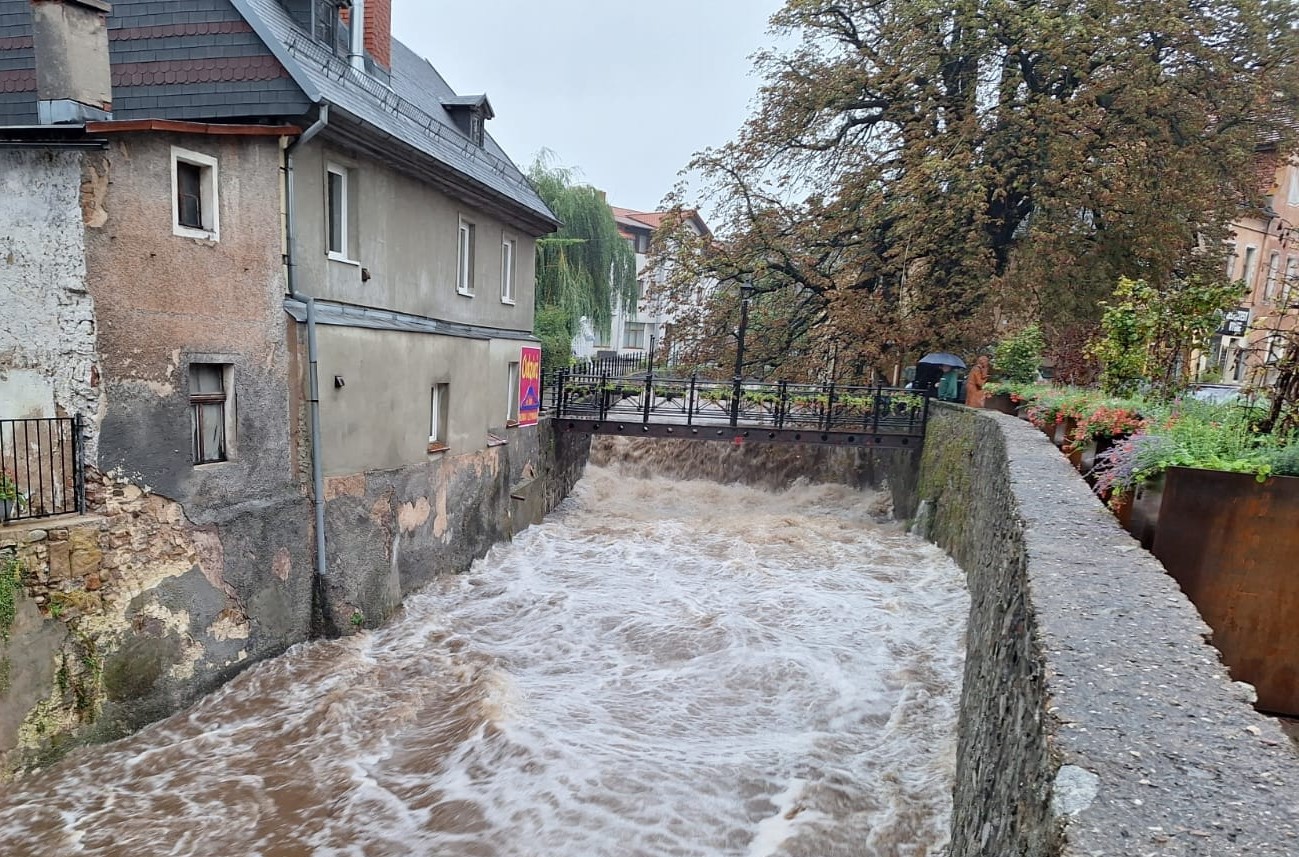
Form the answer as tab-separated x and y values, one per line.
357	48
317	466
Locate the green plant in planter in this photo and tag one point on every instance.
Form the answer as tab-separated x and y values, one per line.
1017	357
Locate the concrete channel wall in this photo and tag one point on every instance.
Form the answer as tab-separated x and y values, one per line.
1096	718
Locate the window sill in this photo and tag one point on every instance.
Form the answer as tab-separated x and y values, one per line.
339	257
213	465
464	294
437	448
509	424
508	301
197	234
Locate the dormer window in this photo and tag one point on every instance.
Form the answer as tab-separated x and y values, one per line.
327	25
470	114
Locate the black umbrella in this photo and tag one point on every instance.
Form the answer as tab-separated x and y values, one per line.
942	358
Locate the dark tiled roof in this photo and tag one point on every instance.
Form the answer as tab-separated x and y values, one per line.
410	109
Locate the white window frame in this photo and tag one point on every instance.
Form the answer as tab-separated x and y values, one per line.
439	412
1293	196
509	255
345	231
466	236
513	379
1251	257
1273	271
209	198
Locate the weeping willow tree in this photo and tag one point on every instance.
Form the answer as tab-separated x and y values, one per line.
581	269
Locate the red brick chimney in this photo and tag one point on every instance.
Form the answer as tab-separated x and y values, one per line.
378	31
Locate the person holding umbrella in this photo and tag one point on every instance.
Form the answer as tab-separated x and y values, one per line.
948	364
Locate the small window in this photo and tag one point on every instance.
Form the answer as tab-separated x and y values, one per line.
208	399
195	212
642	243
1293	196
339	244
1273	271
507	271
437	426
512	400
1291	277
465	259
476	126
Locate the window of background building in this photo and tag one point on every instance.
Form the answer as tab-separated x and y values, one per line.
1247	270
209	387
465	259
195	208
440	402
512	400
642	243
1273	271
507	271
1291	280
634	335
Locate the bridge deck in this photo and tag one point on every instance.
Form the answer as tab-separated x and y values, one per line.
695	409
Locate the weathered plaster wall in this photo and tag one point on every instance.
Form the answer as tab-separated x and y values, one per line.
47	318
164	301
1095	718
391	532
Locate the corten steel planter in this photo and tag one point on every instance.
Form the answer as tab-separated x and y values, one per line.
1146	500
1232	544
1001	402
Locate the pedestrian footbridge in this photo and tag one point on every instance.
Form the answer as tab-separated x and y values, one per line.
735	411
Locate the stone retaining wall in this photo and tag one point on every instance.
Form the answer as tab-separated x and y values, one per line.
1095	717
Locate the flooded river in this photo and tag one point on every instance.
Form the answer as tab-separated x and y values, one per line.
662	668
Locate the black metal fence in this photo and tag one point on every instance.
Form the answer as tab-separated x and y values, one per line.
614	367
41	472
694	401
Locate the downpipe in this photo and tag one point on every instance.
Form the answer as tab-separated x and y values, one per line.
313	352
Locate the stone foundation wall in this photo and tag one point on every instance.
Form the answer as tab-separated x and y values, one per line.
123	617
392	532
1095	717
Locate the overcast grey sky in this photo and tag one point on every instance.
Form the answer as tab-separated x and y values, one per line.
624	91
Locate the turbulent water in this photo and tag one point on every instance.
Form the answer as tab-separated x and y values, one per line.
662	668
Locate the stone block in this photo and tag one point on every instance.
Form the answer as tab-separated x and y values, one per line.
60	563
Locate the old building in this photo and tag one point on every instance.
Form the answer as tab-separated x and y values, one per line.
281	277
634	330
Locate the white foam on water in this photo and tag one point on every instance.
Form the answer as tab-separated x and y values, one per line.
662	668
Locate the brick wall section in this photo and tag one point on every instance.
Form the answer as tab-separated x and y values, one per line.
1095	719
378	31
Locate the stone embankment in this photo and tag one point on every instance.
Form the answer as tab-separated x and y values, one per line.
1096	718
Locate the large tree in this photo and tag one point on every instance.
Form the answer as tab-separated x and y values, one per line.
581	269
916	169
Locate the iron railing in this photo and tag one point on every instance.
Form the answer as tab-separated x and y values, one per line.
41	472
615	367
694	401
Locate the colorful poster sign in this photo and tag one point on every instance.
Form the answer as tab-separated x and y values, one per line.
529	385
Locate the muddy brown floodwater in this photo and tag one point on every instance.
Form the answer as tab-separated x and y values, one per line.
662	668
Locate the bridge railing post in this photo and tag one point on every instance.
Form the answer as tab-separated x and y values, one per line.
924	416
604	395
829	408
876	406
690	401
782	402
649	395
559	392
737	389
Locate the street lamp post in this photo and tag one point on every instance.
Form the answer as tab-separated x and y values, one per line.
746	292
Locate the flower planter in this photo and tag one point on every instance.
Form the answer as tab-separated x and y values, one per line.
1231	543
1001	402
1064	428
1146	500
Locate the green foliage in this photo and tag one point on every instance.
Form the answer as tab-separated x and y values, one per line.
357	619
11	586
1148	333
1018	357
584	266
553	327
911	163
